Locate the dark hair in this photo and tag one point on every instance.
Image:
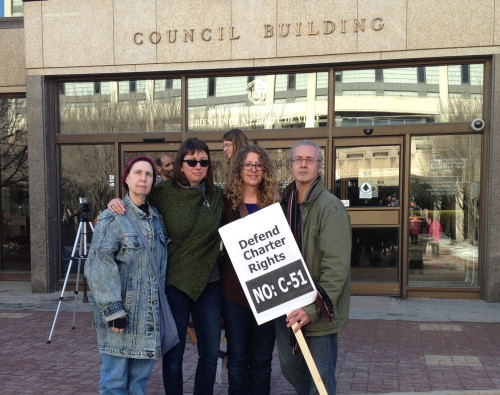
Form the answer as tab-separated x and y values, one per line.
132	162
158	160
190	147
238	138
268	189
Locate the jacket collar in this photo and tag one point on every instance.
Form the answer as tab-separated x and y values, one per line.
311	195
129	205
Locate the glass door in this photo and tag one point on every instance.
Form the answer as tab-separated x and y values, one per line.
444	213
368	181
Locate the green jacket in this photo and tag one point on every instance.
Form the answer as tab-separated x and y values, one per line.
326	249
192	219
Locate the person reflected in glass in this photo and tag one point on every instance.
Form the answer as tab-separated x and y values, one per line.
417	242
426	223
435	231
394	202
416	218
125	289
251	186
191	207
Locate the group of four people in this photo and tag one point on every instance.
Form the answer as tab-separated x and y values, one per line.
193	208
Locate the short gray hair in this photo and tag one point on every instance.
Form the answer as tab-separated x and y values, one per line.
307	143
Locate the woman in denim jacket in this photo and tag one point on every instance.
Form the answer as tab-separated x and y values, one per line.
124	287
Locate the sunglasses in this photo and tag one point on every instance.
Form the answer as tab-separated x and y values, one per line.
194	162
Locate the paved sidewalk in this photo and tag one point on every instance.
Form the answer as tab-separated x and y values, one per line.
391	346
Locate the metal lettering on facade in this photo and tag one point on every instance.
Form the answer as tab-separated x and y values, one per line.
282	30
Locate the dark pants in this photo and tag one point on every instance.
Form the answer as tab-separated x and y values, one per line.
294	367
249	350
206	313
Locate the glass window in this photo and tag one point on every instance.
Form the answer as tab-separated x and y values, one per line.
374	254
444	213
409	95
87	171
15	229
11	8
120	106
368	176
258	102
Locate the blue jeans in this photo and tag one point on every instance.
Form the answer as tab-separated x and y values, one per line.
206	313
122	376
294	367
249	350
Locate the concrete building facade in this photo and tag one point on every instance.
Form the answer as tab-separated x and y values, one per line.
400	95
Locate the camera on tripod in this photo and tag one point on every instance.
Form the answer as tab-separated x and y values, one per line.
79	253
84	205
83	210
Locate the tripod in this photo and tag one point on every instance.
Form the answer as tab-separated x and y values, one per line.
81	243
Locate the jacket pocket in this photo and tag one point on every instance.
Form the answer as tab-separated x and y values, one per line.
132	242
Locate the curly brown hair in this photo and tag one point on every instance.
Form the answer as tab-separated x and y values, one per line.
268	189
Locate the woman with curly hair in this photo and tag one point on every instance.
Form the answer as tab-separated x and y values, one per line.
251	186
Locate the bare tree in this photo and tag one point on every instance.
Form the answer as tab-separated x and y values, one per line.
13	142
461	109
100	114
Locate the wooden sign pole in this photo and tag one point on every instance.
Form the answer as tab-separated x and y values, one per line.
310	361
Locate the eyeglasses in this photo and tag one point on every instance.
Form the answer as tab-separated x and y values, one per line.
309	160
194	162
250	166
227	145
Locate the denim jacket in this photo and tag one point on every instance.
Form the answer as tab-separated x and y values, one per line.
123	283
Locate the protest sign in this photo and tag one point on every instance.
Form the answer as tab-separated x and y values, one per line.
268	263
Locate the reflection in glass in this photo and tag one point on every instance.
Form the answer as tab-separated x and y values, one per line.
10	8
86	171
15	229
408	95
444	213
375	254
258	102
368	176
120	106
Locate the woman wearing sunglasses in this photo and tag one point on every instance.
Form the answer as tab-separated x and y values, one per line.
250	187
191	206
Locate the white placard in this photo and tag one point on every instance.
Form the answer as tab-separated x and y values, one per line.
268	263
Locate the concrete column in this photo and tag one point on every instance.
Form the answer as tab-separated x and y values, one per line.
492	255
43	222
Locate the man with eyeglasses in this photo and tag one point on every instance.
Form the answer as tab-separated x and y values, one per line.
321	226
